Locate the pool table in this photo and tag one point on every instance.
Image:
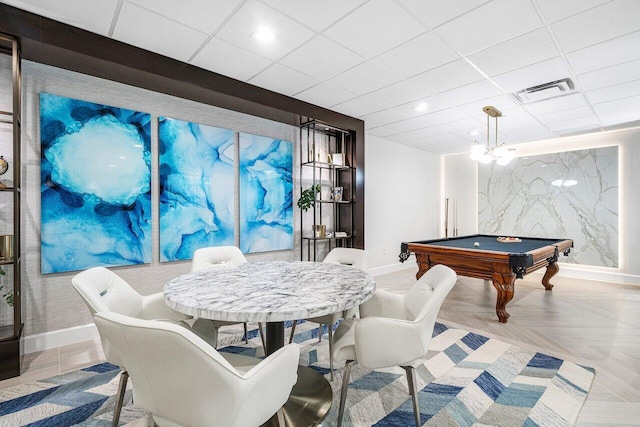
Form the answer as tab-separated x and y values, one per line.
500	262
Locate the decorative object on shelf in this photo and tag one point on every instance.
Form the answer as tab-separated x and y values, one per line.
308	197
6	247
4	165
320	230
339	234
337	159
336	194
487	153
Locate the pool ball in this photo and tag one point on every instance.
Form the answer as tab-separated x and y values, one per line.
476	244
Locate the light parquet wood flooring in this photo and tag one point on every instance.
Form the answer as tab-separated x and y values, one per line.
588	322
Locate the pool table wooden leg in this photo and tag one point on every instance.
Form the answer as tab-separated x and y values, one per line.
504	284
552	270
423	264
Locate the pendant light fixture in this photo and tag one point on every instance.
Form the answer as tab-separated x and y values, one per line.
498	152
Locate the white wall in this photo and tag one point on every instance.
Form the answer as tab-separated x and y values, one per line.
402	200
460	183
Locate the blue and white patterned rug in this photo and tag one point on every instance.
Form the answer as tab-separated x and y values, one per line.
465	380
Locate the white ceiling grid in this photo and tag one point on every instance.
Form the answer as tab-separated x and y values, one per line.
379	59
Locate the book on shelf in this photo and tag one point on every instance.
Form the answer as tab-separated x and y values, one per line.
340	234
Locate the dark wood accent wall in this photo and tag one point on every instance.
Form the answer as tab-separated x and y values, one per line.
53	43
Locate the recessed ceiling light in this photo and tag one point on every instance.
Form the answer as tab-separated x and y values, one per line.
421	107
474	133
264	34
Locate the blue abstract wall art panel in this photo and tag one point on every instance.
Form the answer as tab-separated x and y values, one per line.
95	185
197	191
266	194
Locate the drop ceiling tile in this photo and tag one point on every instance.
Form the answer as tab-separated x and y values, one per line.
510	114
239	30
468	93
94	16
486	26
432	104
377	26
221	57
518	52
575	125
526	129
605	22
463	128
612	93
416	56
426	132
446	77
602	55
532	75
444	116
325	95
281	79
407	125
397	94
364	78
529	134
555	10
317	15
631	103
501	102
322	59
560	103
382	118
434	13
620	119
202	15
617	74
380	131
139	27
358	107
565	115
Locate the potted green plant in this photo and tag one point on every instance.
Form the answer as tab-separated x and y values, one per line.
308	197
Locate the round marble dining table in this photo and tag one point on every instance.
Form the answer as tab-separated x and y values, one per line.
274	292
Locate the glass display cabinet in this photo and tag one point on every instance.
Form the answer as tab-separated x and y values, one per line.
10	291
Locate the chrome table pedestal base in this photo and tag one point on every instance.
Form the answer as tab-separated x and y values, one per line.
309	402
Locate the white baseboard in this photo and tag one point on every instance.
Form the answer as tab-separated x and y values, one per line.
570	270
392	268
59	338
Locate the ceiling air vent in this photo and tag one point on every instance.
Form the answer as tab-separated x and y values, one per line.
545	91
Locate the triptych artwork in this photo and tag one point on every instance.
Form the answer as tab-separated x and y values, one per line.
96	185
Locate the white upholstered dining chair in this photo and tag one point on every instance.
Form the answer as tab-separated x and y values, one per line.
357	258
183	381
393	330
219	256
104	291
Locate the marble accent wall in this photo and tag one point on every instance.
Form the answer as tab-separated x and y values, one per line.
571	195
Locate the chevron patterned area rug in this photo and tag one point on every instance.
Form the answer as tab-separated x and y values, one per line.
465	380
